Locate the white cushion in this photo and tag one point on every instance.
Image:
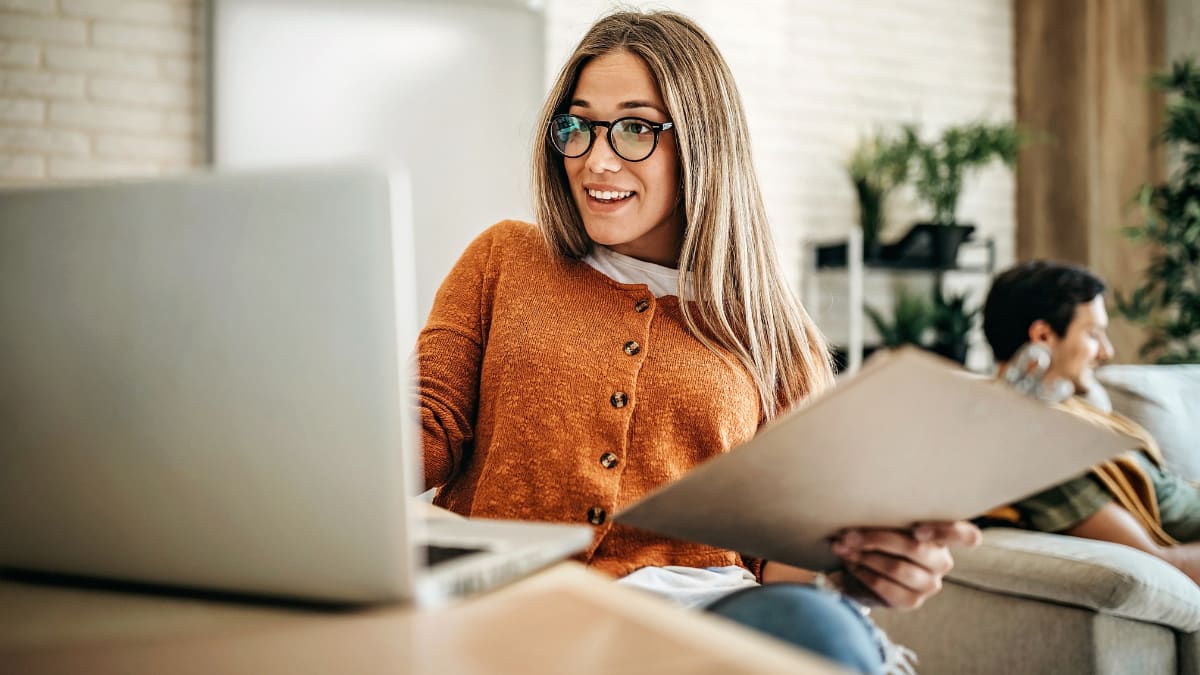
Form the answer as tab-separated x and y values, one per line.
1099	575
1165	400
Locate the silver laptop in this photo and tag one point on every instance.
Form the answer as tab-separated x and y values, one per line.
205	382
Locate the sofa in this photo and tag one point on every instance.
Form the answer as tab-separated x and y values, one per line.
1031	602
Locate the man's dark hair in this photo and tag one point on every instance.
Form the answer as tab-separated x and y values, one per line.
1049	291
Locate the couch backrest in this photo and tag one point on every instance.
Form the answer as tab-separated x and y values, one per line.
1165	400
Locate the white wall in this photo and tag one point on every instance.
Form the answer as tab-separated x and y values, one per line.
450	88
816	76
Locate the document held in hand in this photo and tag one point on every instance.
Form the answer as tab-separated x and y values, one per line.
910	438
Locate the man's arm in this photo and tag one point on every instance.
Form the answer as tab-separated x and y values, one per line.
1113	523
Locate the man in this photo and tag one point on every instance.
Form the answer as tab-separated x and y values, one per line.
1133	499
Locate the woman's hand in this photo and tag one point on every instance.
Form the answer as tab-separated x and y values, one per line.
899	568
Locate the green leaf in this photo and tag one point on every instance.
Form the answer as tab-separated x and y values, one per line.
912	316
941	165
1168	299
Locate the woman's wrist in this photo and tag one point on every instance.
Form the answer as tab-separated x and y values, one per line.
776	572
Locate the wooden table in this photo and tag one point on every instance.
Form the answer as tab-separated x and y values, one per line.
563	620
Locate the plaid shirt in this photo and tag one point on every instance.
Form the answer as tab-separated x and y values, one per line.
1065	506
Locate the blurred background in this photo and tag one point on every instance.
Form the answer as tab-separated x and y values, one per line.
98	89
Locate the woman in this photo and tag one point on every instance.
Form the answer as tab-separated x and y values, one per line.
562	376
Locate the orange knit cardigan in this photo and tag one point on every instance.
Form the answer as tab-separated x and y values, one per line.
551	392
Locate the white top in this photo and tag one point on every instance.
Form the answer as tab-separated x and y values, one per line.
690	586
662	280
686	586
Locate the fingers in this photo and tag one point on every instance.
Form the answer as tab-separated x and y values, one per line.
852	586
957	533
902	569
891	592
898	581
897	545
916	568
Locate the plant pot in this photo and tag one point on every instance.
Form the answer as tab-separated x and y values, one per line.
928	245
872	250
946	240
955	351
870	216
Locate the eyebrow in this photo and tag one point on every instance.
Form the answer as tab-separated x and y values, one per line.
626	105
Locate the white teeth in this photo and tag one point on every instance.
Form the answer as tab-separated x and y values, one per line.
608	196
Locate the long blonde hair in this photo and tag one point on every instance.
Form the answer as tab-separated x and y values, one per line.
742	302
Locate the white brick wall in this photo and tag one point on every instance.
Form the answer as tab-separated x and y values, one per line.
100	88
817	75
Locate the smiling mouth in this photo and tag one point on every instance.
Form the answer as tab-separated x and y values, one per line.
607	197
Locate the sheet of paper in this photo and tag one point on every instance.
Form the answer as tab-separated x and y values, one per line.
910	438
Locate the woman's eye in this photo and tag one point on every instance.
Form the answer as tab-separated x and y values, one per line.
637	128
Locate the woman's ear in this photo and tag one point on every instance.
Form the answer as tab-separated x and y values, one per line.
1040	332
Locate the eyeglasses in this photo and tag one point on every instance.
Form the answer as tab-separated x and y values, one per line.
632	138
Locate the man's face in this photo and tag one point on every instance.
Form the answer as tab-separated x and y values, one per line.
1076	355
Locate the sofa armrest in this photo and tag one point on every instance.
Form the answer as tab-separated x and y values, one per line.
1097	575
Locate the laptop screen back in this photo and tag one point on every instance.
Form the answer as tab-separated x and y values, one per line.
203	381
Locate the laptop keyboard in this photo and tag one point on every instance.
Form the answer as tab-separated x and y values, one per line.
439	554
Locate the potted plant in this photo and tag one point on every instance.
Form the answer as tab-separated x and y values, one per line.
878	165
912	317
939	168
1168	300
952	322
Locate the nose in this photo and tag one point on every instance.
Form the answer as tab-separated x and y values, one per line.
601	157
1107	351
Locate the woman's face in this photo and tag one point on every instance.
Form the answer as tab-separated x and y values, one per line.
643	218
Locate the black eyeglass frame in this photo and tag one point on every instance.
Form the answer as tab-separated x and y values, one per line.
592	124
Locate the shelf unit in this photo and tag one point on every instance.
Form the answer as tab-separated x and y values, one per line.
857	269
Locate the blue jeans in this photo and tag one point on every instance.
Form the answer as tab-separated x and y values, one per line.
809	618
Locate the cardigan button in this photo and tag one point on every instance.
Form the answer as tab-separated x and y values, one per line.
608	460
641	306
632	348
619	399
596	515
